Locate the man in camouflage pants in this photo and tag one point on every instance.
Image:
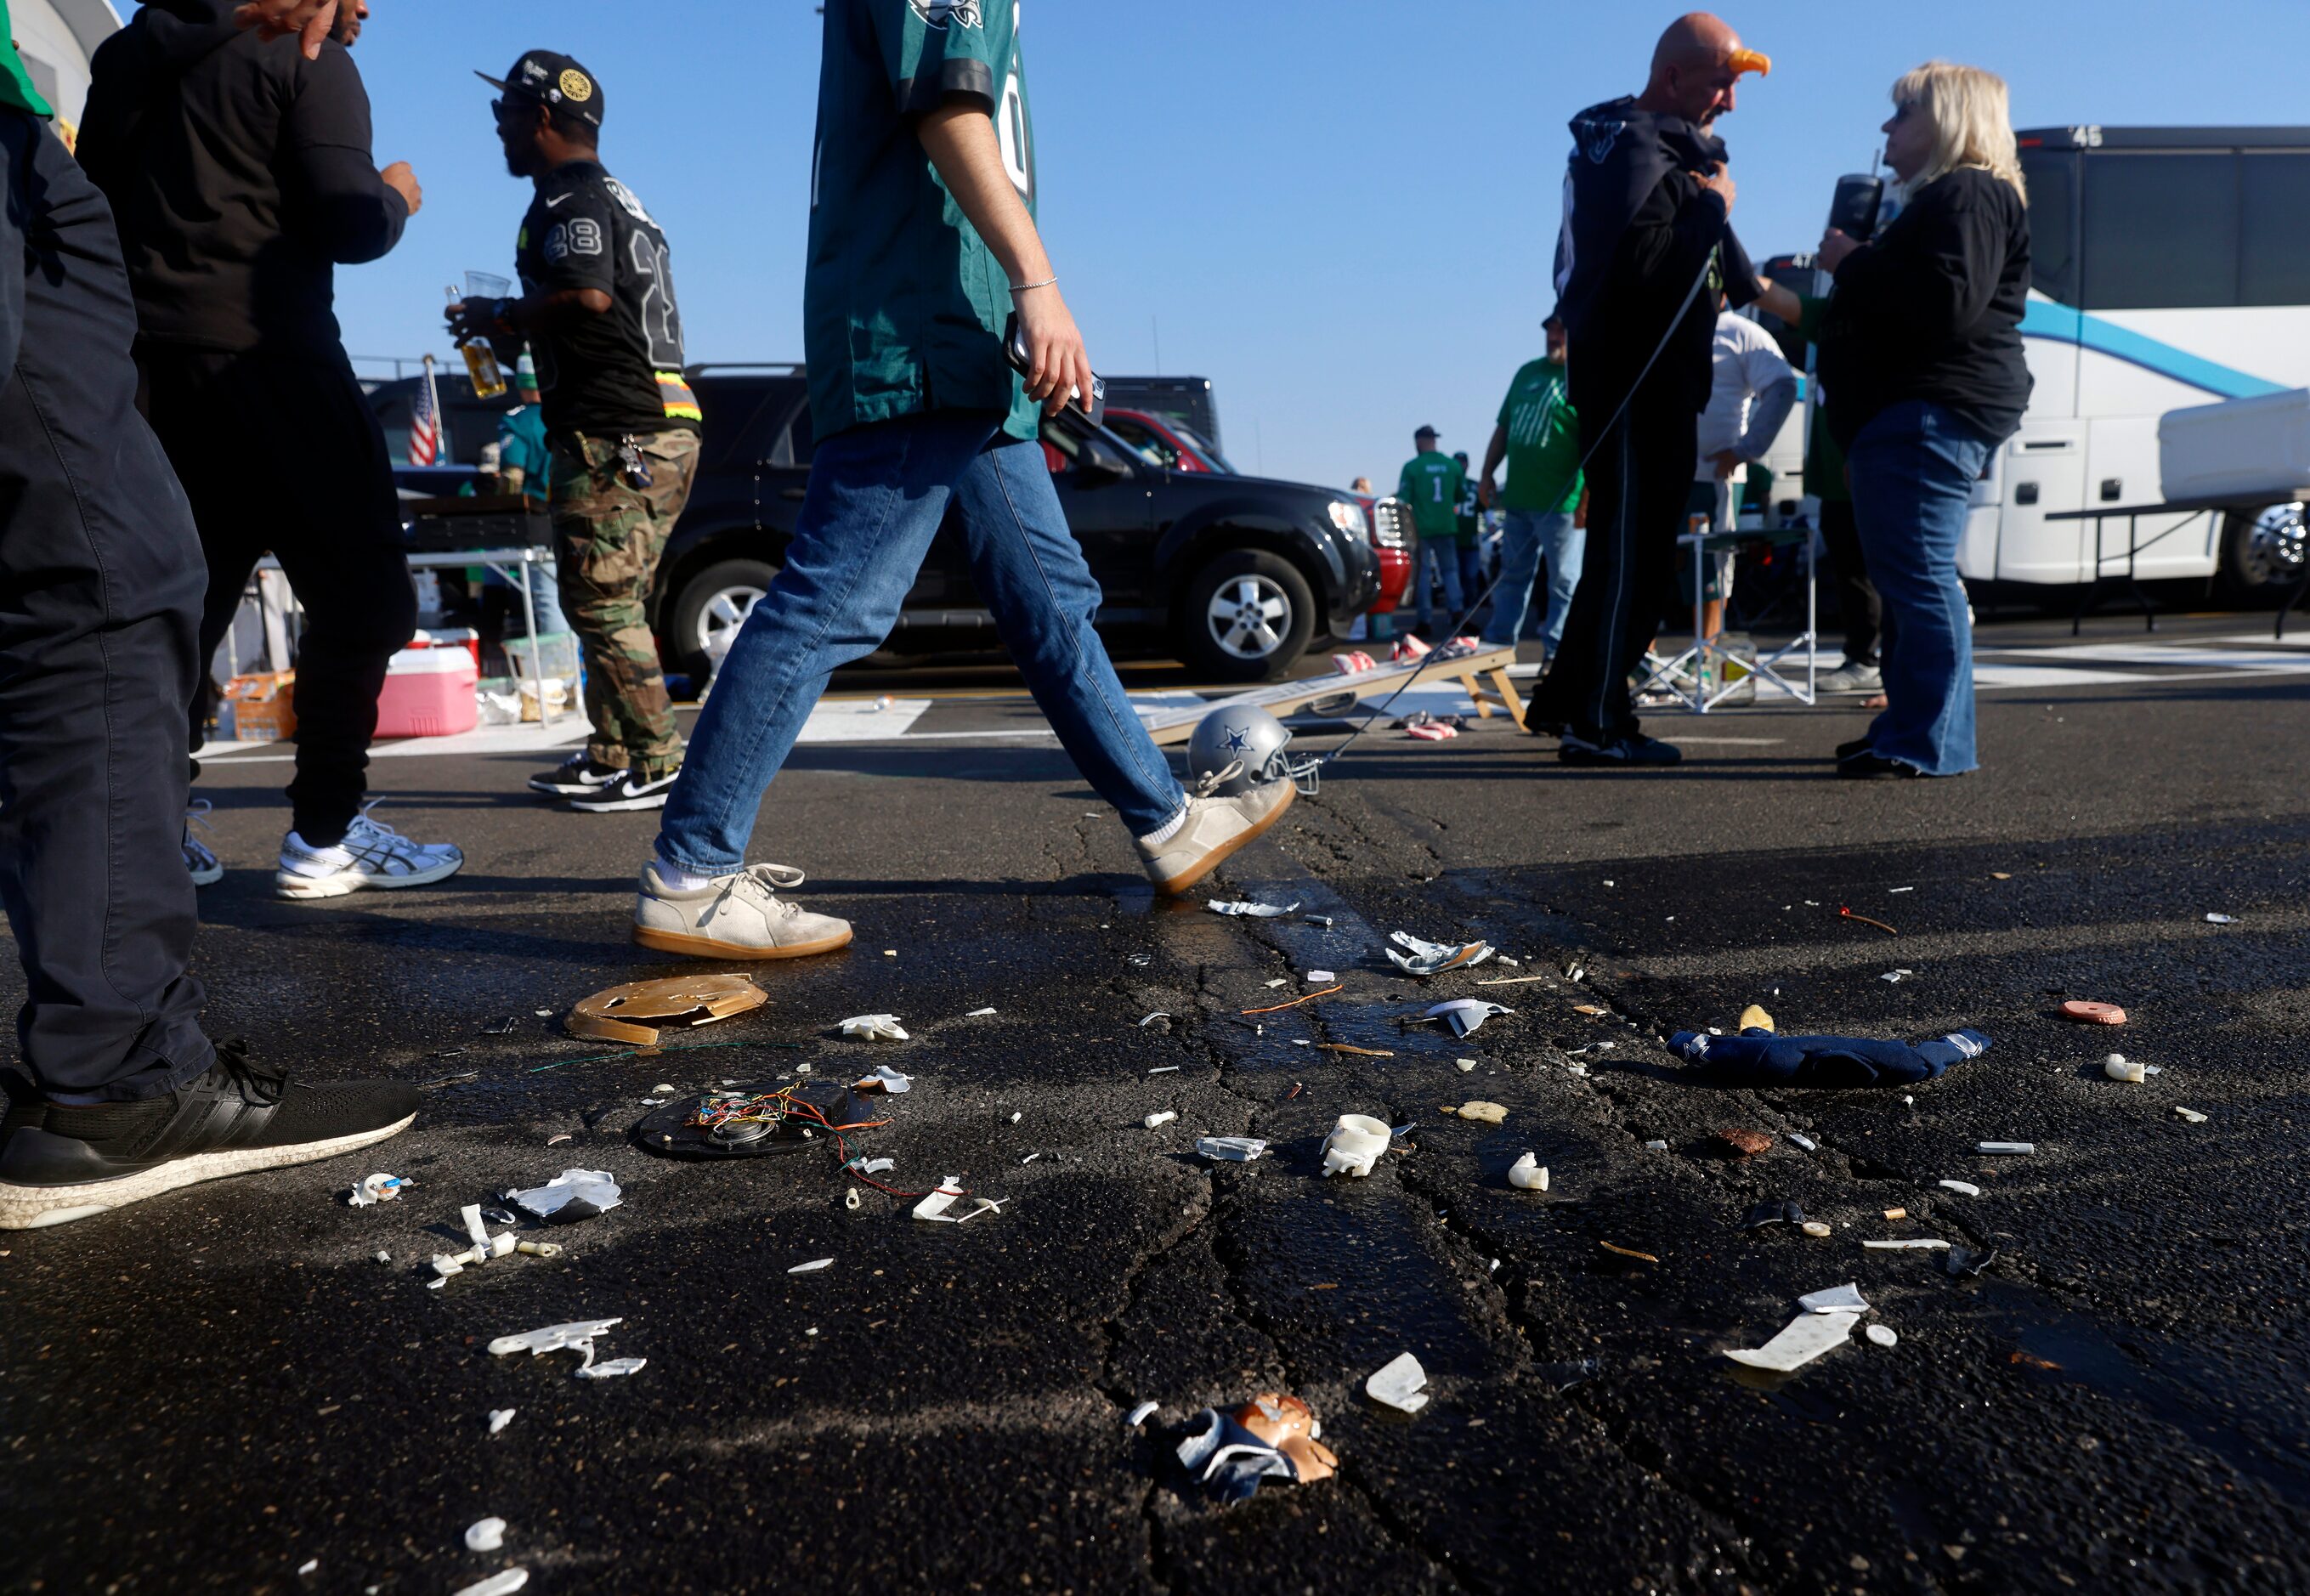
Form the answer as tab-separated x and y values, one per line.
597	307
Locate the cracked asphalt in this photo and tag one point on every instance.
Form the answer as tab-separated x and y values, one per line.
219	1389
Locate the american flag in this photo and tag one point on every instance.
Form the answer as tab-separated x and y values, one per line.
425	425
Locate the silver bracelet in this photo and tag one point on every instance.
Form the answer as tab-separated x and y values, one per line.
1020	287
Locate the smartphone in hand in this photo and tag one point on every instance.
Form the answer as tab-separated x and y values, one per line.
1022	361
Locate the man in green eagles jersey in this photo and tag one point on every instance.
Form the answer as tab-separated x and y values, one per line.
1538	436
1432	483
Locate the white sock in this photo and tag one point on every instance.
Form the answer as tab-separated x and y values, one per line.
680	880
1167	830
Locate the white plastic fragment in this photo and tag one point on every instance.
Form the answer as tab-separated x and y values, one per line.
812	1267
1231	1150
1254	911
1428	959
1017	1114
1528	1174
499	1418
979	1013
1963	1187
1907	1243
2221	919
1397	1384
2005	1147
1896	976
1320	977
1140	1415
472	1214
1465	1016
1163	1117
1279	981
485	1535
851	1200
875	1027
2118	1067
1355	1144
1464	1065
1164	1070
1806	1142
890	1080
663	1089
594	1190
934	1205
552	1337
1835	1299
375	1189
1804	1339
1151	1018
2190	1114
1882	1334
608	1368
503	1584
872	1165
383	1256
1657	1147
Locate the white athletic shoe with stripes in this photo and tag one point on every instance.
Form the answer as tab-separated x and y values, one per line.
372	855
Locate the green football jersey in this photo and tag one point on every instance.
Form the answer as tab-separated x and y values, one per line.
903	304
1543	446
1431	483
16	90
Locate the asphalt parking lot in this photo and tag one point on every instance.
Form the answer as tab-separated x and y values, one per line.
226	1389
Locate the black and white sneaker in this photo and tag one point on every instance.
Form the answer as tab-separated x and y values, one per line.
630	790
61	1162
579	774
1622	752
1866	765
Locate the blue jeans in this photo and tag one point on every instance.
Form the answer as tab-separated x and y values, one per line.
1453	563
877	496
1914	466
1527	537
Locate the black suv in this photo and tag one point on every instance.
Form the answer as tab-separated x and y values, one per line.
1237	576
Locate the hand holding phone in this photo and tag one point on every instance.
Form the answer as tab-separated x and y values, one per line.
1022	357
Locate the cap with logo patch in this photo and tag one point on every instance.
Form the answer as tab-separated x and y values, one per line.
553	80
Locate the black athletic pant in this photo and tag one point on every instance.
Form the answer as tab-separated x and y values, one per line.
281	454
100	585
1858	607
1639	477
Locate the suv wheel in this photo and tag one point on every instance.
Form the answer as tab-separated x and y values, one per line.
712	606
2263	555
1247	616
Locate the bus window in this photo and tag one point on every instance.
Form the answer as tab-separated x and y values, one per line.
2275	256
2160	231
2051	180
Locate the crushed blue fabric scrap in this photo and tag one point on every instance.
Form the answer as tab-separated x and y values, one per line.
1760	1058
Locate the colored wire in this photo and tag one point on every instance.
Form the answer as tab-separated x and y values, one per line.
1295	1002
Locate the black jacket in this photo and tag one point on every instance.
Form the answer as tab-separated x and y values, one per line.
238	172
1638	231
1931	309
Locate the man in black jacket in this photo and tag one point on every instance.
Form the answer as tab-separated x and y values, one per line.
239	174
1646	247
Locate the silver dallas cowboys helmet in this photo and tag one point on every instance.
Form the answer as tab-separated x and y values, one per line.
1251	742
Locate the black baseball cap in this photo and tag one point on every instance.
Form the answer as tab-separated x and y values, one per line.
1426	432
553	79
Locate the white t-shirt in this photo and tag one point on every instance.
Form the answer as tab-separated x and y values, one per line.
1743	363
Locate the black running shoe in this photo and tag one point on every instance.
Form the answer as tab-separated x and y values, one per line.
1869	766
1859	745
60	1162
579	774
631	790
1620	752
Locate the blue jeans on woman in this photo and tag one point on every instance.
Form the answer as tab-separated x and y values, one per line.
1527	537
1914	466
876	498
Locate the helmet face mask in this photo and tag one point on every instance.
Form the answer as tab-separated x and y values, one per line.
1237	748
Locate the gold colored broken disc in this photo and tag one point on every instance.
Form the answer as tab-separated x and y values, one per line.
685	1001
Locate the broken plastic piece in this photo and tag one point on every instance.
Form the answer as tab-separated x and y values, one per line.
1964	1187
1773	1213
1657	1147
812	1267
1233	1149
485	1535
1425	958
1255	911
1963	1262
1488	1113
499	1584
1528	1174
499	1418
1151	1018
1882	1334
1162	1117
1804	1339
685	1001
1896	977
1835	1299
1355	1144
569	1196
1270	1437
1815	1227
1925	1243
1826	1060
935	1206
610	1369
1319	977
1754	1018
665	1089
1464	1065
884	1080
2118	1067
2191	1114
979	1013
1141	1414
1465	1016
875	1027
2221	919
375	1189
850	1198
552	1337
2005	1147
1806	1142
2086	1013
1896	1213
1397	1384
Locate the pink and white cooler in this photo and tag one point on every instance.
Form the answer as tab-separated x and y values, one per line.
429	691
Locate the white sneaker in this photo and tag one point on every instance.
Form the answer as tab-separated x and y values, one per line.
1850	678
1215	828
201	862
734	916
372	855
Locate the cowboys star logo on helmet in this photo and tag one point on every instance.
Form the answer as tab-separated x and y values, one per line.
1238	741
963	13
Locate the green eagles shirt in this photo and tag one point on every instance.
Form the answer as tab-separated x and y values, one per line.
1543	454
1431	484
16	90
903	304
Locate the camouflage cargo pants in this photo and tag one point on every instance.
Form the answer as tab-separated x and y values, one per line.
608	536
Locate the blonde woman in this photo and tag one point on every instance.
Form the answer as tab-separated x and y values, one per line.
1922	369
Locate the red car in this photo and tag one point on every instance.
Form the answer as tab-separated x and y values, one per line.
1170	444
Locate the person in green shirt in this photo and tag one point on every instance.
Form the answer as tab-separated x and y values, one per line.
1432	483
1543	505
923	248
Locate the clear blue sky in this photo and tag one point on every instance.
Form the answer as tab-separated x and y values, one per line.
1343	213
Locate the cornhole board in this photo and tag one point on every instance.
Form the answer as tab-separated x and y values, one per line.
1484	675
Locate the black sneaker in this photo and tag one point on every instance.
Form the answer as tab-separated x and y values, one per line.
579	774
631	790
60	1162
1859	745
1623	752
1868	766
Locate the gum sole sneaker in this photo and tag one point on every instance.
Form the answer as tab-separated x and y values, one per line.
59	1162
1214	828
739	916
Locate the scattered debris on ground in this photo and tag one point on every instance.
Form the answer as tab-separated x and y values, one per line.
569	1196
1743	1144
875	1027
1767	1060
2190	1114
1270	1437
499	1418
1399	1384
1424	958
2005	1147
1465	1016
1230	1149
1141	1415
577	1335
1295	1002
2089	1013
1528	1174
884	1080
1247	910
377	1188
485	1535
935	1206
1488	1113
1163	1118
745	1125
1355	1144
1962	1187
684	1001
1803	1338
1773	1213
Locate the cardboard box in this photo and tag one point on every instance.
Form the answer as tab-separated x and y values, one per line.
258	708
